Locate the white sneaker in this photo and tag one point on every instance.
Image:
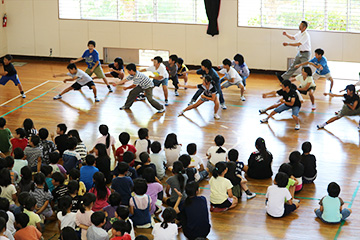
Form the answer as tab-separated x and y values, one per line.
265	120
176	93
297	127
181	113
216	116
223	106
243	98
320	126
262	111
161	110
251	196
96	99
296	200
313	107
23	95
190	103
57	97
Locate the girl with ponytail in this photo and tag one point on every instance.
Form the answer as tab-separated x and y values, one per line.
221	195
259	163
65	216
216	153
83	216
167	228
178	181
102	162
106	139
101	191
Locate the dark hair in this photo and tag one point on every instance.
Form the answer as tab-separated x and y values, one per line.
74	133
65	203
8	57
319	51
26	175
39	179
4	204
73	186
306	147
5	179
86	201
144	157
30	203
119	61
173	57
295	157
149	175
141	237
158	59
122	226
140	186
308	71
91	42
74	174
233	155
97	218
178	170
68	233
208	79
122	167
18	153
100	185
185	159
22	219
286	168
286	83
35	140
219	141
239	58
128	156
131	67
46	170
220	167
4	215
143	133
190	189
123	212
2	122
169	216
90	160
71	66
101	150
206	63
62	126
171	141
124	138
43	133
54	157
115	199
191	148
155	147
333	189
104	130
58	177
227	62
21	132
180	61
281	179
22	198
9	161
261	146
28	125
304	23
71	143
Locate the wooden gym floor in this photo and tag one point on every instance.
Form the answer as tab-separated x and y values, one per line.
336	148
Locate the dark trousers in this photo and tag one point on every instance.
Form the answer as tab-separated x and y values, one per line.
175	81
148	93
218	90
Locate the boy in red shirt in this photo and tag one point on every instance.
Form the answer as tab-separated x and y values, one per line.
124	138
19	140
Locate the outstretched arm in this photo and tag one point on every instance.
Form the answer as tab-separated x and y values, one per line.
77	60
288	35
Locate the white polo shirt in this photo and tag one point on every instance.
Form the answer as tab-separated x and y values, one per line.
304	39
231	74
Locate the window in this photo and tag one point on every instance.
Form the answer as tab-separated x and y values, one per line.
173	11
325	15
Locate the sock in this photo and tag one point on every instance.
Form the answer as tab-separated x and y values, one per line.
248	192
22	92
108	86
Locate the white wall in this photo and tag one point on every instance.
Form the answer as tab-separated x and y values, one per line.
3	38
35	28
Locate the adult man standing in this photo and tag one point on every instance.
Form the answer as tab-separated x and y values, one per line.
303	44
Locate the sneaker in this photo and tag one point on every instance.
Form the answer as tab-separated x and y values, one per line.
243	98
252	195
215	209
57	97
176	93
278	75
216	116
96	99
123	108
321	126
297	127
337	112
110	89
296	201
23	95
262	111
166	103
265	120
223	106
181	113
161	110
191	103
313	107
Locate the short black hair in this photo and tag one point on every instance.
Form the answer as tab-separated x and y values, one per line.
128	157
144	157
43	133
149	175
143	133
97	218
140	186
8	57
141	237
9	161
158	59
305	23
319	51
2	122
22	219
295	157
124	138
121	226
68	233
74	174
122	167
46	170
2	223
21	132
90	160
123	212
233	155
239	58
333	189
219	140
191	148
72	143
119	60
22	198
206	63
173	57
4	215
73	186
185	159
180	61
227	62
35	140
281	179
115	199
308	71
70	66
155	147
54	157
131	67
30	203
18	153
62	126
286	83
287	169
58	177
306	147
4	204
92	42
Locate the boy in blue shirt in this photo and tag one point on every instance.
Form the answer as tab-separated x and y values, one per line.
331	210
10	73
123	184
322	69
91	57
87	172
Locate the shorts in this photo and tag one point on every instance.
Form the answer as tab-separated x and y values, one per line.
345	213
283	107
98	72
288	209
346	111
210	166
316	76
226	204
14	78
114	74
78	86
228	84
305	92
164	82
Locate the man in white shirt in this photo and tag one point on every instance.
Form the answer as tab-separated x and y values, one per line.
303	44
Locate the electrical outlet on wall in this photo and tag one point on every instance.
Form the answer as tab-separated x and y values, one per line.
51	51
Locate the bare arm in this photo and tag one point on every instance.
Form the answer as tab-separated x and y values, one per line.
77	60
288	35
333	95
305	88
187	86
352	107
176	207
60	75
39	164
43	207
96	64
269	94
291	44
130	87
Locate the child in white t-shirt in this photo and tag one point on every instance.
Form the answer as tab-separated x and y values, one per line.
196	162
307	84
278	198
142	144
65	216
232	76
167	230
216	153
158	159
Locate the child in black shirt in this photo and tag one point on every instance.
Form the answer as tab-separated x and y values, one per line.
10	73
309	162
